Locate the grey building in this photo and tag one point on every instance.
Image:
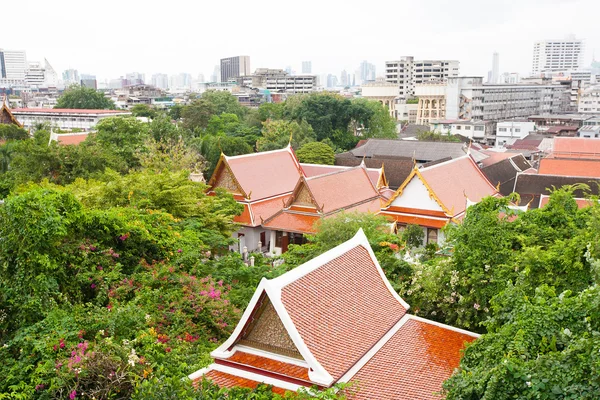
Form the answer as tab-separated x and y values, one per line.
278	80
408	72
234	67
306	67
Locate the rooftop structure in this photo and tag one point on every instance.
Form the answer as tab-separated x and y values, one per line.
437	195
64	118
336	319
6	115
531	186
573	157
504	172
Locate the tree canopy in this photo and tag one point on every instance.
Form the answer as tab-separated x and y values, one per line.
80	97
316	153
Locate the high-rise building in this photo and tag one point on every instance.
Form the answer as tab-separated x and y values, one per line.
180	81
35	75
307	67
50	75
557	55
234	67
332	81
13	64
365	72
495	68
160	81
408	72
135	78
344	78
279	81
89	81
216	75
71	77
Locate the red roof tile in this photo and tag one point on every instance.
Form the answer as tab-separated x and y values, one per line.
290	221
570	167
576	148
495	156
342	309
412	364
456	180
581	203
266	174
227	380
267	364
341	189
68	139
312	170
267	208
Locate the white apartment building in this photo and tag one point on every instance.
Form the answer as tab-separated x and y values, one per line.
431	102
476	130
35	75
407	73
278	80
589	101
383	92
508	132
557	55
13	65
64	118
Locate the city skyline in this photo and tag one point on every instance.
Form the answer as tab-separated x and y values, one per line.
196	49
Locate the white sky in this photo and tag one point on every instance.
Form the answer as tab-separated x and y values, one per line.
109	38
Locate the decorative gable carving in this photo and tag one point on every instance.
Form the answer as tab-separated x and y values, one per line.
266	332
303	197
226	181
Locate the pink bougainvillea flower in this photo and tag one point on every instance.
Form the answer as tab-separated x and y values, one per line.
179	250
73	395
99	268
93	286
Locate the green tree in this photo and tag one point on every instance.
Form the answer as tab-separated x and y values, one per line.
175	112
276	134
12	132
224	123
413	236
81	97
211	147
143	110
123	137
224	102
430	136
537	347
327	114
198	114
316	153
380	124
273	111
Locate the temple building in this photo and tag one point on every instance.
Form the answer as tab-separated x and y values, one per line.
336	319
437	195
269	184
6	116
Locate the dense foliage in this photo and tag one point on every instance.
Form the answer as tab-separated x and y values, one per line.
80	97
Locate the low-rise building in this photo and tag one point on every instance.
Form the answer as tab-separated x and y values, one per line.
278	80
383	92
64	118
508	132
589	101
406	73
476	130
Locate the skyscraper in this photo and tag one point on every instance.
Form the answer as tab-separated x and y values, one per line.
13	64
135	78
89	81
365	72
307	67
50	74
495	68
160	81
344	78
557	55
234	67
216	75
71	77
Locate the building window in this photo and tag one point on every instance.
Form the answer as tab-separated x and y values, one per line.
517	130
278	238
432	235
458	127
467	128
501	129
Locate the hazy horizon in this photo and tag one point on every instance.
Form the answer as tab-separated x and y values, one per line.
150	37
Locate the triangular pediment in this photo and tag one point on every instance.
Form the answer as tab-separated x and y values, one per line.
6	117
303	197
225	179
265	331
417	195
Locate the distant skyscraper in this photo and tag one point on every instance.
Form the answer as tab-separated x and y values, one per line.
135	78
495	76
365	72
288	69
181	81
35	75
216	75
50	75
234	67
160	81
13	64
307	67
557	55
71	77
332	81
344	78
89	81
201	78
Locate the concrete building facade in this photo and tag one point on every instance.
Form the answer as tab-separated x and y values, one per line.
383	92
64	118
557	55
589	101
407	73
508	132
13	65
278	80
234	67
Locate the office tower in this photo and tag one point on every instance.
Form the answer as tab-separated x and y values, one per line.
50	75
365	72
35	75
234	67
89	81
180	81
307	67
71	77
557	55
201	78
160	81
135	78
288	69
332	81
408	72
13	64
495	68
344	78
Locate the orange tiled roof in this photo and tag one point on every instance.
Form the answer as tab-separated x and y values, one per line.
342	309
69	139
576	148
312	170
581	203
257	211
413	219
245	218
456	180
229	381
266	174
291	221
412	364
267	364
341	189
570	167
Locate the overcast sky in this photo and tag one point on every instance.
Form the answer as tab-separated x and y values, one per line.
109	38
